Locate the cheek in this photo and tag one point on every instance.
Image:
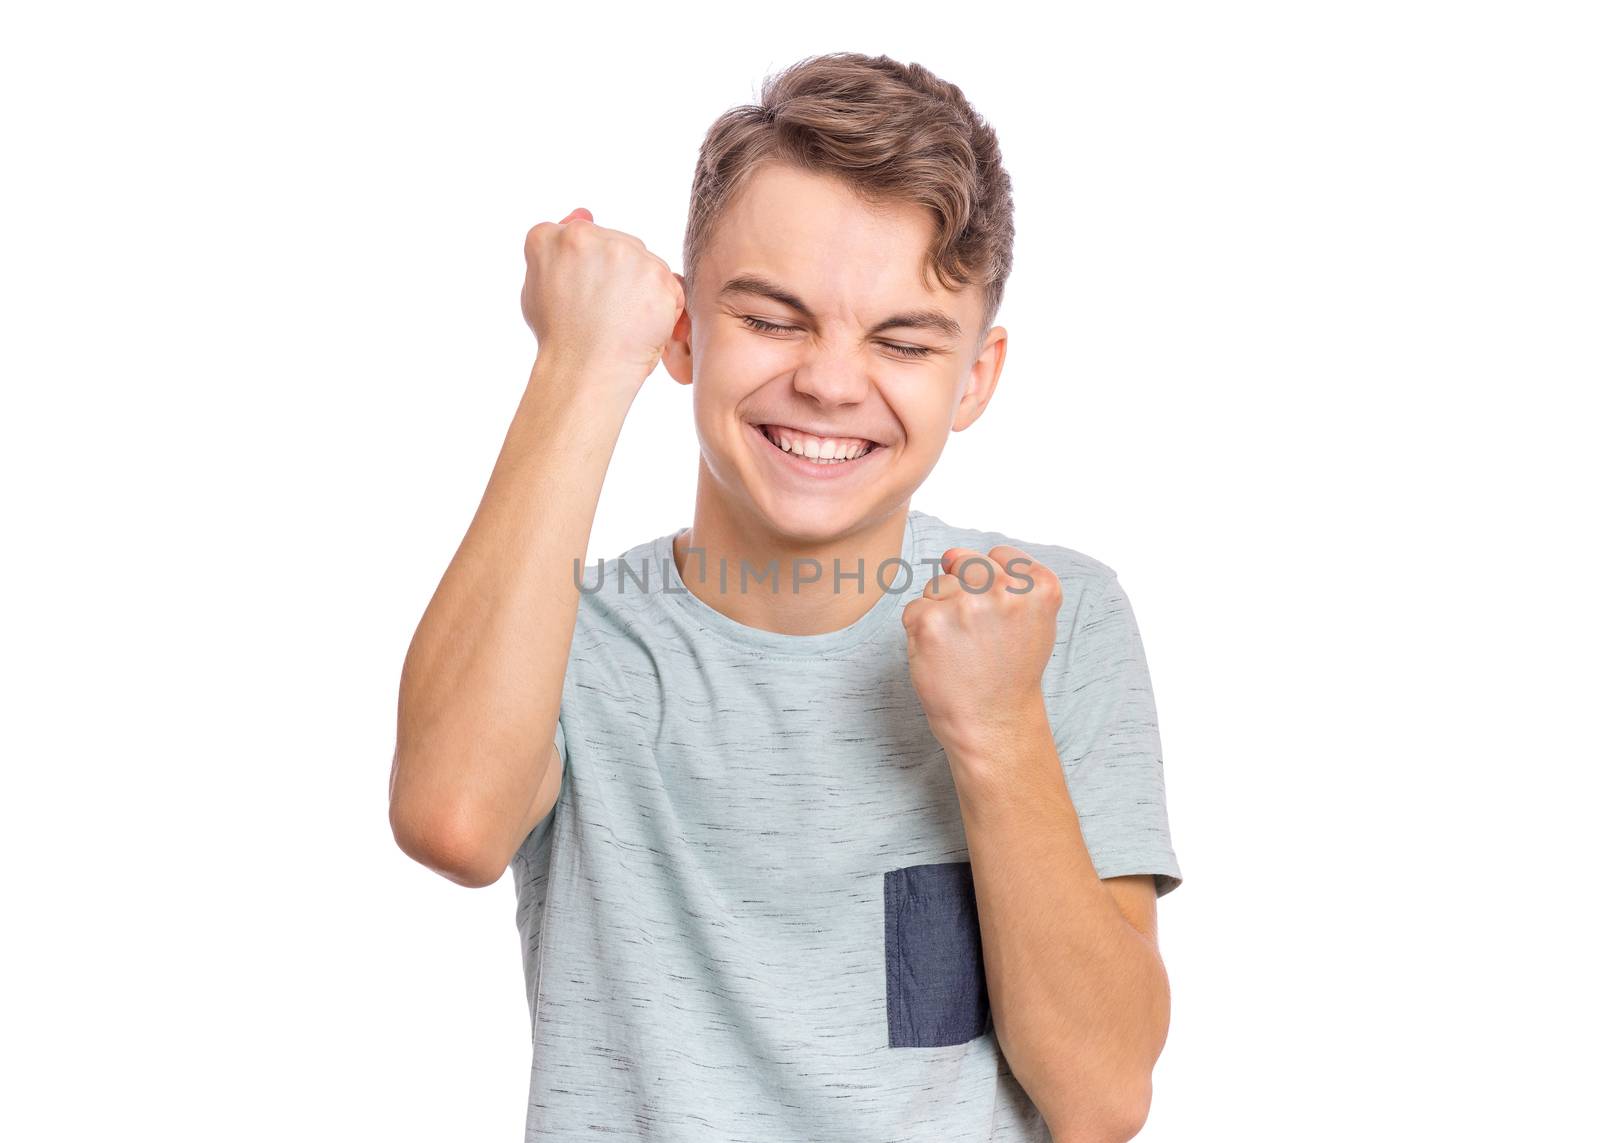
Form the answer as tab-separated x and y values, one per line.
921	408
736	367
745	349
723	386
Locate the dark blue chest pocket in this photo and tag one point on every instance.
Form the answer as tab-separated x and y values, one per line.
937	993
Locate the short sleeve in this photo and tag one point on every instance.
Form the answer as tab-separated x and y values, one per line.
1103	715
532	845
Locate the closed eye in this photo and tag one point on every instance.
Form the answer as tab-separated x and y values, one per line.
909	352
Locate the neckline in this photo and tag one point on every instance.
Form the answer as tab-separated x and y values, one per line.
678	595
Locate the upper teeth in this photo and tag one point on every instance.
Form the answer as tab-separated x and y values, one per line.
822	450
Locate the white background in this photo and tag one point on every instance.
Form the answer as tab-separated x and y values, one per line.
1303	343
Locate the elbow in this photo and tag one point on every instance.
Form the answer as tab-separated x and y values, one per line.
1107	1131
463	864
446	844
1113	1123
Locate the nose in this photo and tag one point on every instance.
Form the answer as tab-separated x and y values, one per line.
832	380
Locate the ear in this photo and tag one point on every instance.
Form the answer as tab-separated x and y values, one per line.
981	381
675	355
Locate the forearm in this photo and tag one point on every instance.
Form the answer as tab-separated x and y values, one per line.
480	691
1079	995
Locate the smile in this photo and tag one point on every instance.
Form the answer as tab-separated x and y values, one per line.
817	450
813	455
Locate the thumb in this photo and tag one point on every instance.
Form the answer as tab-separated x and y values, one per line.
579	212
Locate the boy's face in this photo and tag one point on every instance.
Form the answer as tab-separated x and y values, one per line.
833	369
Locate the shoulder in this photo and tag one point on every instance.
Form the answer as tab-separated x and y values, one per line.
614	589
620	602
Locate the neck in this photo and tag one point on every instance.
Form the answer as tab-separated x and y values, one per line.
807	600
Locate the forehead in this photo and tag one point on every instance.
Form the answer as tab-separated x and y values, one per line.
816	237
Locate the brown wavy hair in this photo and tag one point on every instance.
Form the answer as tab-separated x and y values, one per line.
894	133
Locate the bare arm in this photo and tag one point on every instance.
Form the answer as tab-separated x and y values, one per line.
481	687
475	765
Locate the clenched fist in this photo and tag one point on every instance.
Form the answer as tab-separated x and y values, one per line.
597	299
978	640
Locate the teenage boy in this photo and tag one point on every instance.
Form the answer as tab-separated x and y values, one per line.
828	820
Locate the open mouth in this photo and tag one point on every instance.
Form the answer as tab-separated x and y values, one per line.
820	451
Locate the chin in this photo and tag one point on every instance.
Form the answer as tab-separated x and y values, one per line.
812	521
817	521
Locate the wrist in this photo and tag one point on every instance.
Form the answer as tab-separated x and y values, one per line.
561	374
988	743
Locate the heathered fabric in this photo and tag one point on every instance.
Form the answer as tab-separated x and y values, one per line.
750	913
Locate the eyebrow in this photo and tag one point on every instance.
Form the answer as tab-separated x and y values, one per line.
935	320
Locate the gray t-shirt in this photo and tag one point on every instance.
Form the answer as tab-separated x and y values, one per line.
750	913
